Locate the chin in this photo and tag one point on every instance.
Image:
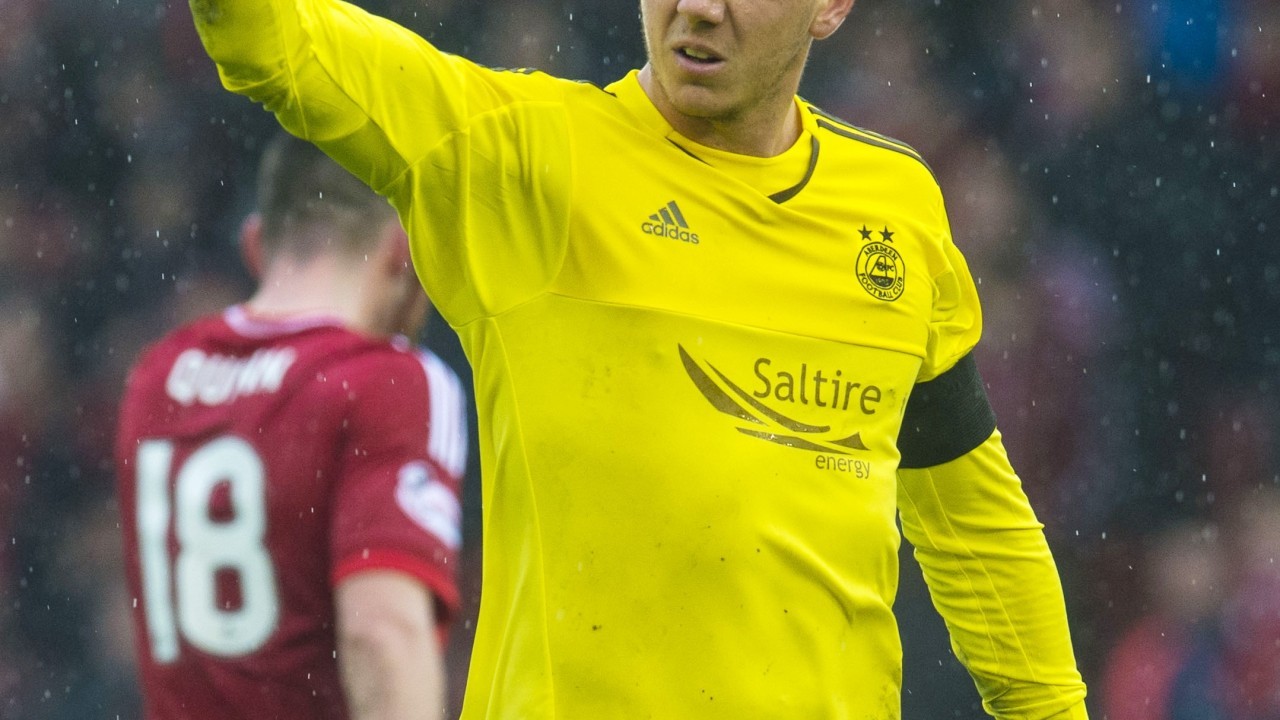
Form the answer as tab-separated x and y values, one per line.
700	102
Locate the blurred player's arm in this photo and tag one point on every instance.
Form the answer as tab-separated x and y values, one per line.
396	530
984	554
388	652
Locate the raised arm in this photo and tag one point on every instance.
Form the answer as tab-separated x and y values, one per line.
465	153
334	74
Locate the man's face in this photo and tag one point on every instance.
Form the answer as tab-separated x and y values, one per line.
718	59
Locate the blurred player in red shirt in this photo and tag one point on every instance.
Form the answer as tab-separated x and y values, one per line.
289	475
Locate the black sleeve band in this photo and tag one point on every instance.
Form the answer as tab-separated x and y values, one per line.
946	417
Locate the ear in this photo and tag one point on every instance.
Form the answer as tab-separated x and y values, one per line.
393	249
408	306
830	17
251	245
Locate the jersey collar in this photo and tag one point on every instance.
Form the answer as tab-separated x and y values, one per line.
780	177
242	321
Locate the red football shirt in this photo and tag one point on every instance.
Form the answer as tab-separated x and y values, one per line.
259	464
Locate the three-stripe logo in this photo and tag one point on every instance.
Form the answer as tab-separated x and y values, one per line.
669	222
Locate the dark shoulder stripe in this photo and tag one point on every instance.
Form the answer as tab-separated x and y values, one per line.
846	125
862	136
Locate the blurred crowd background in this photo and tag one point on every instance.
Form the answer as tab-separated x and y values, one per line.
1112	171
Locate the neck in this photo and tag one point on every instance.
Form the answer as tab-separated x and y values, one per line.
765	129
324	285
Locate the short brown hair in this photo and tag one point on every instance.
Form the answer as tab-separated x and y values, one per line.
311	204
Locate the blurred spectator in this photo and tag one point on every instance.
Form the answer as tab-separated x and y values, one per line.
1182	589
1251	619
1071	54
1234	673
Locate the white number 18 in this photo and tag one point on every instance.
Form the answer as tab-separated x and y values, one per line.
204	548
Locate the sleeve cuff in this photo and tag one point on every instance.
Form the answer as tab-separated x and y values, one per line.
436	578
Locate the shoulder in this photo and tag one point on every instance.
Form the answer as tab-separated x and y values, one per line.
516	85
406	390
848	138
377	366
377	394
396	368
526	87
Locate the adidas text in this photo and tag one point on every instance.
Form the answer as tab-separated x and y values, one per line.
669	231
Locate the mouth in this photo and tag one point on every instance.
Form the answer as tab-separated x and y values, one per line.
697	58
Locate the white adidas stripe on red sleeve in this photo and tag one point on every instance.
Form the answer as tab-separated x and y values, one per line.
447	439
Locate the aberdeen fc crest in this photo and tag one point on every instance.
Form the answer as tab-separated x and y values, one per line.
880	268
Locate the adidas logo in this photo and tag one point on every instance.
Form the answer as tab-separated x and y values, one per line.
669	222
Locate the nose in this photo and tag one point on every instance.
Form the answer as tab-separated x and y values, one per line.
709	11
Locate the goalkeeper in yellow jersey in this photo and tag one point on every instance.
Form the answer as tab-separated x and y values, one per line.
721	341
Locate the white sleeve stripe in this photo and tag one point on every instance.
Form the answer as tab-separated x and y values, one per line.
457	439
442	420
447	441
445	408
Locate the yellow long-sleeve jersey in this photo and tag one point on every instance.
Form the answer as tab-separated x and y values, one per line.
692	370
